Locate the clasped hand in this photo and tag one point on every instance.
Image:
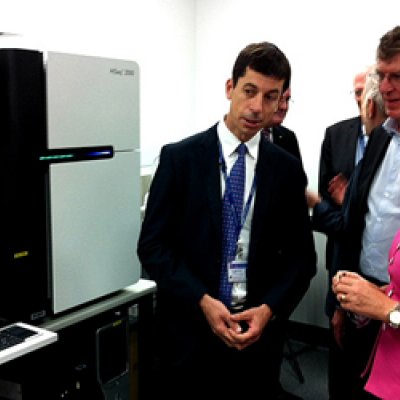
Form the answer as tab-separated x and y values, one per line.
358	295
229	327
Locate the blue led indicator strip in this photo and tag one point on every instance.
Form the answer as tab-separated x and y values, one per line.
99	153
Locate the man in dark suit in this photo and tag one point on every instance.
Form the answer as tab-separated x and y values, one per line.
279	134
357	339
287	140
341	149
205	346
340	152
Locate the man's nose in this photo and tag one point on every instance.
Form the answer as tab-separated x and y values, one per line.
256	103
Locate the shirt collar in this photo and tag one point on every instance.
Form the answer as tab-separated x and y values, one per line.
363	131
391	126
230	142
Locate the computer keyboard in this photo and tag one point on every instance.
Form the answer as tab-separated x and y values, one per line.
18	338
12	335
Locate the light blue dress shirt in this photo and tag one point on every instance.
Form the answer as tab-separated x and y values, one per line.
382	220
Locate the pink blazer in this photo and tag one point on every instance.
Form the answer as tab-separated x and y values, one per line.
384	380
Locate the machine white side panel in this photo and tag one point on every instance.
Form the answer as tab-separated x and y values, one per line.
95	222
92	101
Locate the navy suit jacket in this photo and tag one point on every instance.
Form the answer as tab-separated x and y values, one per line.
287	140
338	152
346	224
180	241
355	206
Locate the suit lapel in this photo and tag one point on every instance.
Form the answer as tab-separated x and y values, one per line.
345	145
211	172
354	130
276	137
376	150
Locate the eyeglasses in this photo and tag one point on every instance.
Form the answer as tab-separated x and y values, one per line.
392	77
357	92
285	99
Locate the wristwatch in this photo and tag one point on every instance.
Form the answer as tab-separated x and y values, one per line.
394	317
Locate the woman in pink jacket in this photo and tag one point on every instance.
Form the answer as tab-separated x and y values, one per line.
367	300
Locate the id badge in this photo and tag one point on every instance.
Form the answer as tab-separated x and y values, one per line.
237	271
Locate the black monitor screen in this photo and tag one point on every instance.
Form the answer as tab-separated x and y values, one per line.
112	352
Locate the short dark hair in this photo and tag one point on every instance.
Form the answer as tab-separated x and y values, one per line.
389	44
265	58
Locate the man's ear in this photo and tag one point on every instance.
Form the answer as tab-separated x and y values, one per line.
229	88
371	109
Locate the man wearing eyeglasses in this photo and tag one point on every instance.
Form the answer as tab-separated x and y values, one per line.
358	85
286	139
373	214
279	134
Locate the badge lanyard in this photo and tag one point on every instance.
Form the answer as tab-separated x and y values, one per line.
228	190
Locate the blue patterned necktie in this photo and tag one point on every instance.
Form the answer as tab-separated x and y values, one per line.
361	148
231	220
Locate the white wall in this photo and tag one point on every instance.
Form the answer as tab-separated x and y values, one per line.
158	34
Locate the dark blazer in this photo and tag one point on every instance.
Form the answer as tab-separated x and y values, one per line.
346	225
180	241
338	152
286	139
356	201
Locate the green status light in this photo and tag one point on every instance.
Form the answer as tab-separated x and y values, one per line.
56	157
